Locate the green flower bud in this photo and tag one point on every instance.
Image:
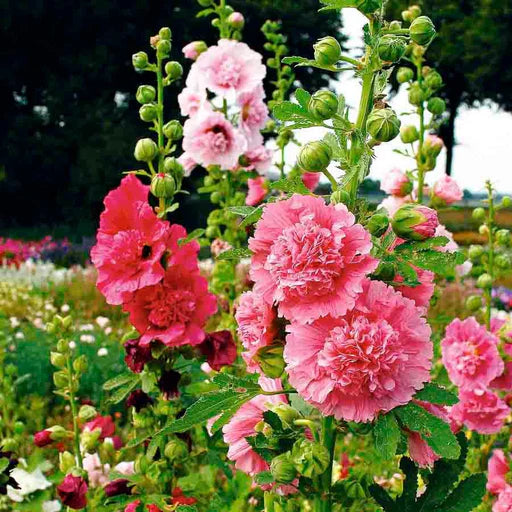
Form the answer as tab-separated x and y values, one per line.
385	272
475	252
409	134
415	222
503	261
483	230
57	359
9	444
148	112
415	10
378	224
140	61
503	237
476	270
340	196
436	106
485	282
174	70
19	427
80	364
145	150
66	462
422	30
87	413
236	20
173	166
145	94
270	360
283	469
407	16
58	433
478	214
286	413
175	450
323	104
404	75
173	130
163	48
395	25
163	185
60	379
310	459
391	48
383	124
315	156
327	51
474	302
433	80
89	439
416	94
165	33
506	202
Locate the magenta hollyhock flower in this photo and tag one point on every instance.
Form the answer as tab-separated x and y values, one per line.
229	67
422	293
258	159
470	354
396	183
257	191
130	243
191	100
73	492
117	487
498	468
371	360
43	438
311	179
253	114
480	410
256	326
133	506
219	348
447	190
242	426
392	203
504	501
104	424
210	139
309	258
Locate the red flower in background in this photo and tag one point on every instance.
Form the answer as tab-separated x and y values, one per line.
73	492
219	348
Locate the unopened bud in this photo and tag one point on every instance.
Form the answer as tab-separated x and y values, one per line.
475	252
415	222
327	51
173	130
392	48
433	80
474	302
340	196
503	261
145	94
175	450
80	364
409	134
436	106
416	94
315	156
310	459
148	112
378	224
163	48
287	414
422	30
174	70
323	104
478	214
282	469
236	20
404	75
57	359
383	124
433	145
145	150
503	237
87	412
485	282
270	360
173	166
506	202
140	61
60	379
66	462
165	33
163	185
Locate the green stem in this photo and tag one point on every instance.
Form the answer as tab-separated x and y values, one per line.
490	226
331	178
354	62
160	119
74	413
419	157
268	501
323	502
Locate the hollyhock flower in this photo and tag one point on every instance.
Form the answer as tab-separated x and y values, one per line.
132	507
219	348
446	190
253	113
258	159
178	498
218	246
137	355
168	384
188	163
125	468
138	399
230	66
256	326
175	310
73	492
480	410
371	360
117	487
242	426
191	101
498	467
130	243
257	191
310	258
211	139
194	49
392	203
433	145
422	293
396	183
311	179
452	245
470	354
104	424
504	501
43	438
97	472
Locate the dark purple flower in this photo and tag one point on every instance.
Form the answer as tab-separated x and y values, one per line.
168	384
219	348
136	355
138	399
117	487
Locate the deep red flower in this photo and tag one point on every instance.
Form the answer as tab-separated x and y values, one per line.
117	487
138	399
104	423
73	492
43	438
178	498
137	355
168	384
219	348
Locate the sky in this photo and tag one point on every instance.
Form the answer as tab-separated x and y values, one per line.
483	134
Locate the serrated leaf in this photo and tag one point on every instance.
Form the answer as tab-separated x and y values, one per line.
197	233
442	263
122	392
254	217
293	185
264	478
244	211
435	241
407	272
119	380
436	395
303	97
240	384
382	498
365	6
386	435
466	496
234	254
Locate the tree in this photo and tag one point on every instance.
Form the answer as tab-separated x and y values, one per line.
472	53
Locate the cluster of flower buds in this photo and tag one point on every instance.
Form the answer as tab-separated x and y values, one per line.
229	22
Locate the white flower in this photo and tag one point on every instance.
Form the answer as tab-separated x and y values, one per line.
87	338
87	327
108	330
102	321
72	345
52	506
102	352
19	335
65	308
14	322
125	468
28	482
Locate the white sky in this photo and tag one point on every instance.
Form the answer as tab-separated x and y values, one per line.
483	134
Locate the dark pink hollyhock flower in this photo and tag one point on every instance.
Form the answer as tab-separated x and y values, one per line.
168	384
43	438
138	399
104	423
219	348
73	492
117	487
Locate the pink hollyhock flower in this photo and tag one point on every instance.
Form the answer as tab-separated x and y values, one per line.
96	471
130	243
256	326
194	49
309	258
242	426
132	507
447	190
257	190
311	179
470	354
230	66
504	501
218	246
480	410
452	245
422	293
175	310
43	438
188	163
73	492
392	203
219	348
191	100
396	183
102	423
371	360
210	139
253	114
498	467
258	159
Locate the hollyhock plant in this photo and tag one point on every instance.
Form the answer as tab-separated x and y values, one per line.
219	348
258	159
253	114
371	360
102	423
396	183
137	355
73	492
309	258
498	468
194	49
97	472
422	293
470	354
257	191
188	163
446	190
504	501
191	101
43	438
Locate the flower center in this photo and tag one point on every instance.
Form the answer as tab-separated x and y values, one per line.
228	74
470	358
218	140
170	307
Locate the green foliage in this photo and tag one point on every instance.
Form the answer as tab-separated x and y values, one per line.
436	395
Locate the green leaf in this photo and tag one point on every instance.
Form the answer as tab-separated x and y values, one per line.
254	217
197	233
264	478
293	185
241	210
4	464
365	6
234	254
466	496
383	498
442	263
303	97
119	380
432	429
122	392
410	486
240	384
386	434
435	241
169	209
205	12
186	508
436	395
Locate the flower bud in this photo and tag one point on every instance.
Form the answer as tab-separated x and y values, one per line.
483	230
416	94
80	364
140	61
391	48
145	150
283	469
63	346
415	222
407	16
340	196
165	34
236	20
60	379
378	224
409	134
174	70
43	438
415	11
327	51
270	360
148	112
194	49
436	106
163	48
173	166
433	146
315	156
57	359
503	237
354	490
145	94
404	75
286	413
310	459
9	444
478	214
19	427
503	261
433	80
475	252
383	124
173	130
90	439
422	30
385	272
163	185
323	104
474	302
66	461
87	412
175	450
484	281
506	202
395	25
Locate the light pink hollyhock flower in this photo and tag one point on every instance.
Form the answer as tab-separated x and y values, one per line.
242	426
392	203
311	180
480	410
309	258
470	354
229	67
97	473
253	114
258	159
256	326
125	468
210	139
504	501
188	163
130	242
218	246
396	183
498	467
258	189
191	101
447	190
372	360
194	49
452	245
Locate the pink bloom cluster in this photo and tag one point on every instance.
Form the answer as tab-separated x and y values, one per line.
499	482
396	183
14	252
